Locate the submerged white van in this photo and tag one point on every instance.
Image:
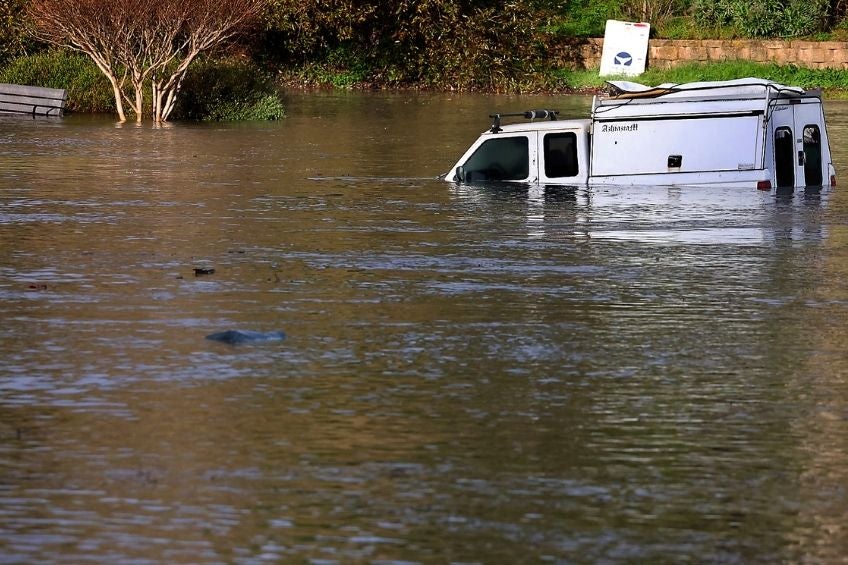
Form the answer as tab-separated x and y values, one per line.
747	133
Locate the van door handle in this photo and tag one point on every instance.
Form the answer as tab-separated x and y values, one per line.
801	158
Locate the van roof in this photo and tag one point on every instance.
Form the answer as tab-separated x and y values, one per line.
547	125
741	88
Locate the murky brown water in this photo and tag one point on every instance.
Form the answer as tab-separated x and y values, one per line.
470	374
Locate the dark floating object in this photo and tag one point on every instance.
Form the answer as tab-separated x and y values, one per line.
200	271
235	337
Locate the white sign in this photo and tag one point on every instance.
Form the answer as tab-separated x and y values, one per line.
625	48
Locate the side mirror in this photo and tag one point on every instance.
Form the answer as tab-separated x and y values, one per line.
460	174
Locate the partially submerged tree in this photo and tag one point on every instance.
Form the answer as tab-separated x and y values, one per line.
133	41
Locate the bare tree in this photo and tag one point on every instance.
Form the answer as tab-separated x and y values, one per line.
133	41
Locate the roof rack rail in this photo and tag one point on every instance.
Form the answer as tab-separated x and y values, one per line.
528	115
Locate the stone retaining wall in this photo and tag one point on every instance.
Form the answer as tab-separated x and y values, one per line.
585	53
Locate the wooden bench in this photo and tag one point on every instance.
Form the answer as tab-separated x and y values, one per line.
32	100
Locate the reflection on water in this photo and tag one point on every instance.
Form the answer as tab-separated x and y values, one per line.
470	373
660	215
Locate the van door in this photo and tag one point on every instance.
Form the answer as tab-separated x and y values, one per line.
784	156
801	154
810	165
501	157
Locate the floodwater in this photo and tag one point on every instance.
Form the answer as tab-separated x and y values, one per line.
469	374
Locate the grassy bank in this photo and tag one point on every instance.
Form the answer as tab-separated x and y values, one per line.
833	81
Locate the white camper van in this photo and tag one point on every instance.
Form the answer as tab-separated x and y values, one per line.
746	133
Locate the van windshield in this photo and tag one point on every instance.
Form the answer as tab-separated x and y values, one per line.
502	158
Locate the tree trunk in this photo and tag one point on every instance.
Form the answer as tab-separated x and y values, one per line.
113	80
119	103
139	101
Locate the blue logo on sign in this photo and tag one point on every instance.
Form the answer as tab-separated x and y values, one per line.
623	58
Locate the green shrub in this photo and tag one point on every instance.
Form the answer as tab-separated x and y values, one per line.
587	18
228	90
13	38
88	89
342	68
462	44
764	18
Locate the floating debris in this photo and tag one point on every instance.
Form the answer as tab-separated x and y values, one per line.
235	337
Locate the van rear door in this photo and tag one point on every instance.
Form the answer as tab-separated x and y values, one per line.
813	155
801	152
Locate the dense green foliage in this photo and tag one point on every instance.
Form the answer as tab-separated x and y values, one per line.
228	90
764	18
88	90
495	45
587	18
706	18
467	44
13	36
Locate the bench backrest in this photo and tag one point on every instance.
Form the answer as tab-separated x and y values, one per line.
32	100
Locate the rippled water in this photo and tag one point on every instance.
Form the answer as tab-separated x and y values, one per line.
470	374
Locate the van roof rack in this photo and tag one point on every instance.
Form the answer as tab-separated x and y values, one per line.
528	115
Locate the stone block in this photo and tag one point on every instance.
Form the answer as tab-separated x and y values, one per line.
837	55
693	53
820	55
779	55
667	52
804	55
715	53
758	52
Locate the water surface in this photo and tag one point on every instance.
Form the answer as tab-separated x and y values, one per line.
470	374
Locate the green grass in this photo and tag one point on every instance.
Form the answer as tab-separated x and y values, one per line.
834	81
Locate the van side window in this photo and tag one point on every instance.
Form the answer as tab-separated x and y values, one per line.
812	156
561	155
502	158
784	157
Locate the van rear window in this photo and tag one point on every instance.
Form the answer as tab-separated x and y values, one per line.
812	155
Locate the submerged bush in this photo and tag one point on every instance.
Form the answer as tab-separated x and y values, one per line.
228	90
88	90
